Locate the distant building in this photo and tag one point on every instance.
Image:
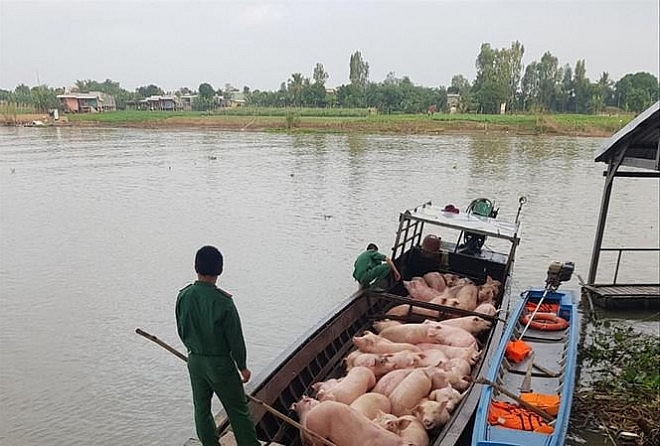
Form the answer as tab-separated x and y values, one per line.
156	102
453	102
186	101
92	102
237	99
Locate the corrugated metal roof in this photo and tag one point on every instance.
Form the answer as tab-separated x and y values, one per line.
639	140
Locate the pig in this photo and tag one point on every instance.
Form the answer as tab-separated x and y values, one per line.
404	359
448	335
467	297
441	377
431	414
449	394
472	324
379	364
345	426
383	324
388	382
435	280
373	343
419	290
357	381
433	357
326	386
302	408
459	366
408	333
409	392
371	403
471	354
387	421
486	308
407	427
410	429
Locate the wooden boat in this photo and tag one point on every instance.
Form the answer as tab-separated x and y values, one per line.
526	399
318	354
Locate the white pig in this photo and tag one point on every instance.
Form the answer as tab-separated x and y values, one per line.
371	403
389	381
373	343
409	392
345	426
472	324
431	414
357	381
447	393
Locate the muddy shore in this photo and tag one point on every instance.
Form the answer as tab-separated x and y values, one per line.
544	125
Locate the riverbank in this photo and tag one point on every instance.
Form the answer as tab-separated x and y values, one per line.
344	121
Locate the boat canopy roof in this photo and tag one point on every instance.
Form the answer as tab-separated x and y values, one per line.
638	141
464	221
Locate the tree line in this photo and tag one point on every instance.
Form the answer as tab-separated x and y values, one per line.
502	83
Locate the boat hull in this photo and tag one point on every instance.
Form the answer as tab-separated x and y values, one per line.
549	369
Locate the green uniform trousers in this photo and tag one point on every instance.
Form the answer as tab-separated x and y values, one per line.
218	374
377	273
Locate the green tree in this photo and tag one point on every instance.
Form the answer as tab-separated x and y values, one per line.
149	90
359	70
295	86
205	99
636	91
320	75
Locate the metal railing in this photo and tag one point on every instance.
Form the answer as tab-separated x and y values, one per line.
618	258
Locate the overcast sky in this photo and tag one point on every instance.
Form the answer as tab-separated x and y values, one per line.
261	43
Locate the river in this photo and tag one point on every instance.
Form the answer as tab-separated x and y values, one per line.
98	230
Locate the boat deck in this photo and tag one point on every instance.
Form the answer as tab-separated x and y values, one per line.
624	295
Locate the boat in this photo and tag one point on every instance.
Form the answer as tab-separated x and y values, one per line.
319	354
527	392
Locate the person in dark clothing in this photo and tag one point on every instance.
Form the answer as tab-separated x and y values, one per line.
210	328
371	267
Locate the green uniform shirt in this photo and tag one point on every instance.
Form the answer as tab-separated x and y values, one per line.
366	261
208	323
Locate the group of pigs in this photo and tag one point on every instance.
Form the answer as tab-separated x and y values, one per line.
406	378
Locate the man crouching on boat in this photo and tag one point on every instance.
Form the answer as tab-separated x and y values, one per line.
209	326
371	267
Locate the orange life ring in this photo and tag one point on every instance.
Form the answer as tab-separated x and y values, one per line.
545	322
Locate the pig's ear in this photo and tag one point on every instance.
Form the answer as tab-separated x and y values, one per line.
403	423
416	411
443	405
293	406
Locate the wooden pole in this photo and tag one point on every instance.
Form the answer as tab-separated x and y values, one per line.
270	409
542	413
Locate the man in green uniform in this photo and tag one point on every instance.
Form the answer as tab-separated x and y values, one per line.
210	328
370	269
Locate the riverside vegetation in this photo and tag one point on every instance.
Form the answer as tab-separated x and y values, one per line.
342	120
622	396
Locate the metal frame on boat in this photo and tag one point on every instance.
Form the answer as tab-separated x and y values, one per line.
318	354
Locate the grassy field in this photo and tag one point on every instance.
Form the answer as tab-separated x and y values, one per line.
359	120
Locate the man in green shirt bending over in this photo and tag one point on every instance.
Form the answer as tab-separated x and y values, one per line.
370	269
210	328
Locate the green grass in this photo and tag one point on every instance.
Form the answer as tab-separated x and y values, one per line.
338	119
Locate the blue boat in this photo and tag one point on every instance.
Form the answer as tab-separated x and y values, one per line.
528	390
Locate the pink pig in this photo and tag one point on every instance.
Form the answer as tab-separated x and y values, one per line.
346	426
389	381
472	324
448	335
435	280
371	403
373	343
431	414
358	381
409	392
